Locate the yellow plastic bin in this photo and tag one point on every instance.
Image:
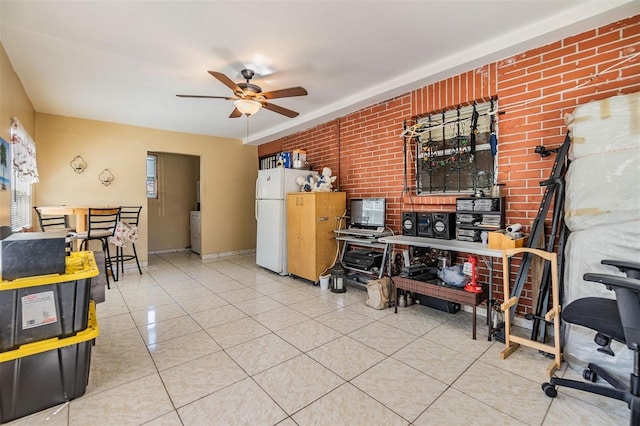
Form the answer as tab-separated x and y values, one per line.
46	373
47	306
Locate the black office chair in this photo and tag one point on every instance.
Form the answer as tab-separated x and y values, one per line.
101	224
617	319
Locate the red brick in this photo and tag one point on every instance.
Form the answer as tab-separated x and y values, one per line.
581	54
516	74
630	71
599	40
478	82
631	30
599	59
619	45
541	83
614	26
545	49
580	37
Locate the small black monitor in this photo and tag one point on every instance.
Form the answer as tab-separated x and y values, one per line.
368	213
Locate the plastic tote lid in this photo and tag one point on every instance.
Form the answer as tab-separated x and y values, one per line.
78	265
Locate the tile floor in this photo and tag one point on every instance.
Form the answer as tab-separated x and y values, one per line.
224	342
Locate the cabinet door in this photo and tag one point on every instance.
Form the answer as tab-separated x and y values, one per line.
293	231
308	251
329	206
299	254
311	220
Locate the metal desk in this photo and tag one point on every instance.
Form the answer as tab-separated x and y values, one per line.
454	245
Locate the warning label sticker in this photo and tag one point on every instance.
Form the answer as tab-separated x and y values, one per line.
38	309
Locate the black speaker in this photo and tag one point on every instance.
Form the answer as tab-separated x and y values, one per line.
425	225
409	226
444	225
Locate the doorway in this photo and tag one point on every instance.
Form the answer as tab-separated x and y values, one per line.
175	178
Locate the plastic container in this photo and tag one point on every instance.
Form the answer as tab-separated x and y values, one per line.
47	306
324	282
46	373
27	254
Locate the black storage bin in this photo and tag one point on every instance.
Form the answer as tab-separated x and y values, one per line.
40	381
38	308
43	374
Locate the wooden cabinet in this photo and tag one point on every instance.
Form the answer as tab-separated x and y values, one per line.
311	219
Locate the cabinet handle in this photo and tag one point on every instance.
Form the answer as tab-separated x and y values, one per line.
323	218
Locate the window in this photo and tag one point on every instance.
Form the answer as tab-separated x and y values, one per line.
455	150
20	203
24	173
152	176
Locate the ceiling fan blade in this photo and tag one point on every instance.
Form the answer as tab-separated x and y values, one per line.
235	113
206	97
226	81
285	93
280	110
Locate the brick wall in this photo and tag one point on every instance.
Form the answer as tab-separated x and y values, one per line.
535	90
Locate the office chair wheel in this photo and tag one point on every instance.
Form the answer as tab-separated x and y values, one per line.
592	376
549	390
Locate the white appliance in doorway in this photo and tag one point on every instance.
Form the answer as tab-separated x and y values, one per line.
272	187
194	223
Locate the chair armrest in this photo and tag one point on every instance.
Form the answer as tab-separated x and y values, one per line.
632	269
614	281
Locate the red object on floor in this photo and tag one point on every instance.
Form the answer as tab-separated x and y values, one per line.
472	286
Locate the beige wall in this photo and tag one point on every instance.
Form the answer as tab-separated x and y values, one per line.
13	103
228	172
168	214
228	168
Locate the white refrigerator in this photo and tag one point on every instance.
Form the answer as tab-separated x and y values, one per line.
272	187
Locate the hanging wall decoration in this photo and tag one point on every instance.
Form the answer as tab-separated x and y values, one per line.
106	177
78	164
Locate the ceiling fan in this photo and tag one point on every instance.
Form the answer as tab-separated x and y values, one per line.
249	98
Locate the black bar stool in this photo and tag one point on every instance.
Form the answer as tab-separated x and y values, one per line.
127	232
57	223
101	224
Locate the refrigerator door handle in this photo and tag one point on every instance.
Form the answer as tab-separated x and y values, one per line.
256	210
257	183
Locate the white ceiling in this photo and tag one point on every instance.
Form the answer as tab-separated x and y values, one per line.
124	61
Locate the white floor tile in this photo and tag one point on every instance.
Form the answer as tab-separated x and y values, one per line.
223	341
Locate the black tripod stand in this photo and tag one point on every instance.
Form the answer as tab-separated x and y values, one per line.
554	192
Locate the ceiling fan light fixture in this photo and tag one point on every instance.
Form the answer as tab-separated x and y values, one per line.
247	106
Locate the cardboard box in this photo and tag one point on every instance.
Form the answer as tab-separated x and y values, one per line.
500	241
